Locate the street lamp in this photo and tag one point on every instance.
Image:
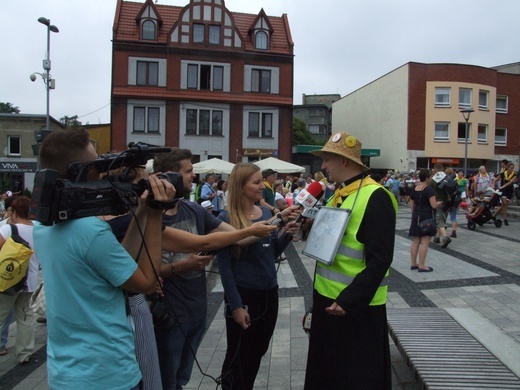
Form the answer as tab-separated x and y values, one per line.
46	75
466	112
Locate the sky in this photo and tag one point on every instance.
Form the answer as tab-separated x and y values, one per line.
339	45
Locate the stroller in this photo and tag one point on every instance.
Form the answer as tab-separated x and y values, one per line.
484	214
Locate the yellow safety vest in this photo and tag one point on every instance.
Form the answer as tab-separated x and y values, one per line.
331	280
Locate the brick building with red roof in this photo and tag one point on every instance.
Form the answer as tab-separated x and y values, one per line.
204	78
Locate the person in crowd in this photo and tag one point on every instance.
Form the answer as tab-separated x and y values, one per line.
478	203
483	182
208	193
308	180
507	180
4	332
463	185
184	274
279	197
442	214
349	324
300	186
249	278
453	209
268	195
85	270
409	184
423	205
221	194
19	301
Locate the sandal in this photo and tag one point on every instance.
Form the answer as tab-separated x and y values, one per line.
3	352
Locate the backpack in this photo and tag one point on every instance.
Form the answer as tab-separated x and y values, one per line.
14	263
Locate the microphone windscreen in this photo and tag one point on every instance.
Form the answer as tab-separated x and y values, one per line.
316	189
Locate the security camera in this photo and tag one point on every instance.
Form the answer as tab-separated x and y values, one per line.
32	77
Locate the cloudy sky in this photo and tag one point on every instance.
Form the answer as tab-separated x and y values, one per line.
340	45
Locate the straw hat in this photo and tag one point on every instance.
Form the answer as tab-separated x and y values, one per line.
207	204
344	145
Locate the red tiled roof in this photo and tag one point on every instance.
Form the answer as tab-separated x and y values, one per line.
126	27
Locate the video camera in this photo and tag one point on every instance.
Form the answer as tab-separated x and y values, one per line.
57	200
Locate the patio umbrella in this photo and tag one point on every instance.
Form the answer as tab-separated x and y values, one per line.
279	166
213	165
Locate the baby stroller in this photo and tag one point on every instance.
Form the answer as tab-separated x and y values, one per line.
484	214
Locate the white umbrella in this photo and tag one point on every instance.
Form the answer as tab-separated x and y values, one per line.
279	166
213	165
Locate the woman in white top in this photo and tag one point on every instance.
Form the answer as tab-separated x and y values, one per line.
20	300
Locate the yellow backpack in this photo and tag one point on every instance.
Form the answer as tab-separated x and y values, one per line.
14	263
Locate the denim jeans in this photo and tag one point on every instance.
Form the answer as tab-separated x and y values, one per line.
5	330
176	357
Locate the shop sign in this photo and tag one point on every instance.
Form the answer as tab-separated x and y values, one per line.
18	166
260	153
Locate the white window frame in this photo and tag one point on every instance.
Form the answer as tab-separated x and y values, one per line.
263	130
151	113
145	34
506	99
12	138
275	78
462	93
261	40
198	115
501	143
226	74
149	65
463	125
132	69
441	92
482	133
439	138
482	105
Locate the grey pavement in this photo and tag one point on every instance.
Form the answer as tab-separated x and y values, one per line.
476	279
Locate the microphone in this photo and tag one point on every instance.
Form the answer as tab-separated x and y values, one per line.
307	198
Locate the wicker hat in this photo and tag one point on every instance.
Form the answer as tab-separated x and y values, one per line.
345	145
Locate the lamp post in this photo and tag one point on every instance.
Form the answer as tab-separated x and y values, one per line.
466	112
46	75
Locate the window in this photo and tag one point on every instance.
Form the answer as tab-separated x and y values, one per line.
442	131
461	132
146	119
147	73
198	33
483	100
500	136
14	144
465	97
214	35
260	125
502	104
148	32
261	40
205	77
314	129
261	80
204	122
482	135
442	97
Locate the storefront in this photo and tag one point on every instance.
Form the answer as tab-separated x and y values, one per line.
17	174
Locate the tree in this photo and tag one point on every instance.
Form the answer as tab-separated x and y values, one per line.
302	136
8	108
70	121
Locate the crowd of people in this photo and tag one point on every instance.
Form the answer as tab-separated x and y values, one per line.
126	294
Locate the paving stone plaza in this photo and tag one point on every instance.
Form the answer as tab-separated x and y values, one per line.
476	278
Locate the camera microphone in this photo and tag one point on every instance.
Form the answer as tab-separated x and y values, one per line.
307	198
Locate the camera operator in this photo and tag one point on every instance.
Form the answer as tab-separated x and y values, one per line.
90	339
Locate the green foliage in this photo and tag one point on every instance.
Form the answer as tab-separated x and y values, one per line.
70	121
8	108
302	136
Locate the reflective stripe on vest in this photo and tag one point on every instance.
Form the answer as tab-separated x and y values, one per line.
350	257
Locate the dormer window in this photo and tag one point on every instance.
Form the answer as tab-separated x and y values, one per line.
261	40
149	30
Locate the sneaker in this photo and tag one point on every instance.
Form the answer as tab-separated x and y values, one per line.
453	234
445	242
436	240
505	222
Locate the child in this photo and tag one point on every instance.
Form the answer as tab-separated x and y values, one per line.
478	203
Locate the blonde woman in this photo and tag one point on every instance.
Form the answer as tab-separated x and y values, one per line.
249	278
